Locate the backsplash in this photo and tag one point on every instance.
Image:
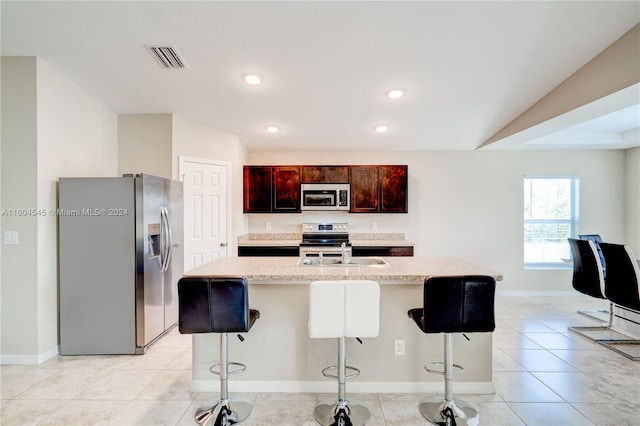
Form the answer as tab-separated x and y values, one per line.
358	223
376	236
271	236
298	236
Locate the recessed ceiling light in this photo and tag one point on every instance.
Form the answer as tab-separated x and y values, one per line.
381	128
395	93
252	79
272	129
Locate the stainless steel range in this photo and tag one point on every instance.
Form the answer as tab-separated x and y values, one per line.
325	239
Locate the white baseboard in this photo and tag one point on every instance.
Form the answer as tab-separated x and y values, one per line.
243	386
29	359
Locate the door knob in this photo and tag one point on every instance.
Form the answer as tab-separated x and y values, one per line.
223	244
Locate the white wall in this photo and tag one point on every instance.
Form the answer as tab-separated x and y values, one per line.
633	200
76	137
470	203
19	321
144	144
198	140
65	132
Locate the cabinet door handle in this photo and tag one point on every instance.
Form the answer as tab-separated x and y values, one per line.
223	244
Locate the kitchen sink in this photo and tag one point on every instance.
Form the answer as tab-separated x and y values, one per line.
377	262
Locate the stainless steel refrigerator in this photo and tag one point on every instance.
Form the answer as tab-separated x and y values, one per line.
120	258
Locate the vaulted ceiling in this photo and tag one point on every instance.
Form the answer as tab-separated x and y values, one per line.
466	69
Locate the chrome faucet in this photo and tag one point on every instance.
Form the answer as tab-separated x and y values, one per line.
345	254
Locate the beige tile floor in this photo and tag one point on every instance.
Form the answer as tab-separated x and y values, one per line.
544	375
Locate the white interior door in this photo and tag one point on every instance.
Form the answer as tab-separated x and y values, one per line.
206	215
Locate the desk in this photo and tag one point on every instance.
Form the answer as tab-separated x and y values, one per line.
281	357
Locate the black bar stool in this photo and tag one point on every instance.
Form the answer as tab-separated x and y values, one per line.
218	305
341	309
622	287
460	304
588	278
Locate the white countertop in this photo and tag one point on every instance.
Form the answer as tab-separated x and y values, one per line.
283	270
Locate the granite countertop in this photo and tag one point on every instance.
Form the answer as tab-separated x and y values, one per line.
293	239
268	243
284	270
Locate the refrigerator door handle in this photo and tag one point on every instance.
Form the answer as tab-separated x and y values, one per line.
163	240
169	239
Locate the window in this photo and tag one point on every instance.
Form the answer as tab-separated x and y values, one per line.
551	215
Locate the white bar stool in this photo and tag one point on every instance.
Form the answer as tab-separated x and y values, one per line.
341	309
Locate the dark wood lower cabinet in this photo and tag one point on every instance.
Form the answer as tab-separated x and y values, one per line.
264	251
294	251
382	251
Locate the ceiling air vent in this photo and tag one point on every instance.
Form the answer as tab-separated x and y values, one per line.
167	56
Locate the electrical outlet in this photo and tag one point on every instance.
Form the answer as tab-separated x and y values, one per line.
398	347
374	226
267	226
10	237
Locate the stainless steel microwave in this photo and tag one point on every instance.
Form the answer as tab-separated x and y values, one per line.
325	196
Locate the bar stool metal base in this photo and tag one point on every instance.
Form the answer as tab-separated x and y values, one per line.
216	412
432	409
326	410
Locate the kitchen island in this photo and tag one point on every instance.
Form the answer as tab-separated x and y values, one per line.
281	357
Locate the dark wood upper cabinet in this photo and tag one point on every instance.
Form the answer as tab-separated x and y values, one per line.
325	174
393	189
271	189
379	189
364	189
286	189
374	189
257	189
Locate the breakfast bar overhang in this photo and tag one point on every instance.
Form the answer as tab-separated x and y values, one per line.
281	357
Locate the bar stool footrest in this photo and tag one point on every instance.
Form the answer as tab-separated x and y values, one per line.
215	368
356	372
429	368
